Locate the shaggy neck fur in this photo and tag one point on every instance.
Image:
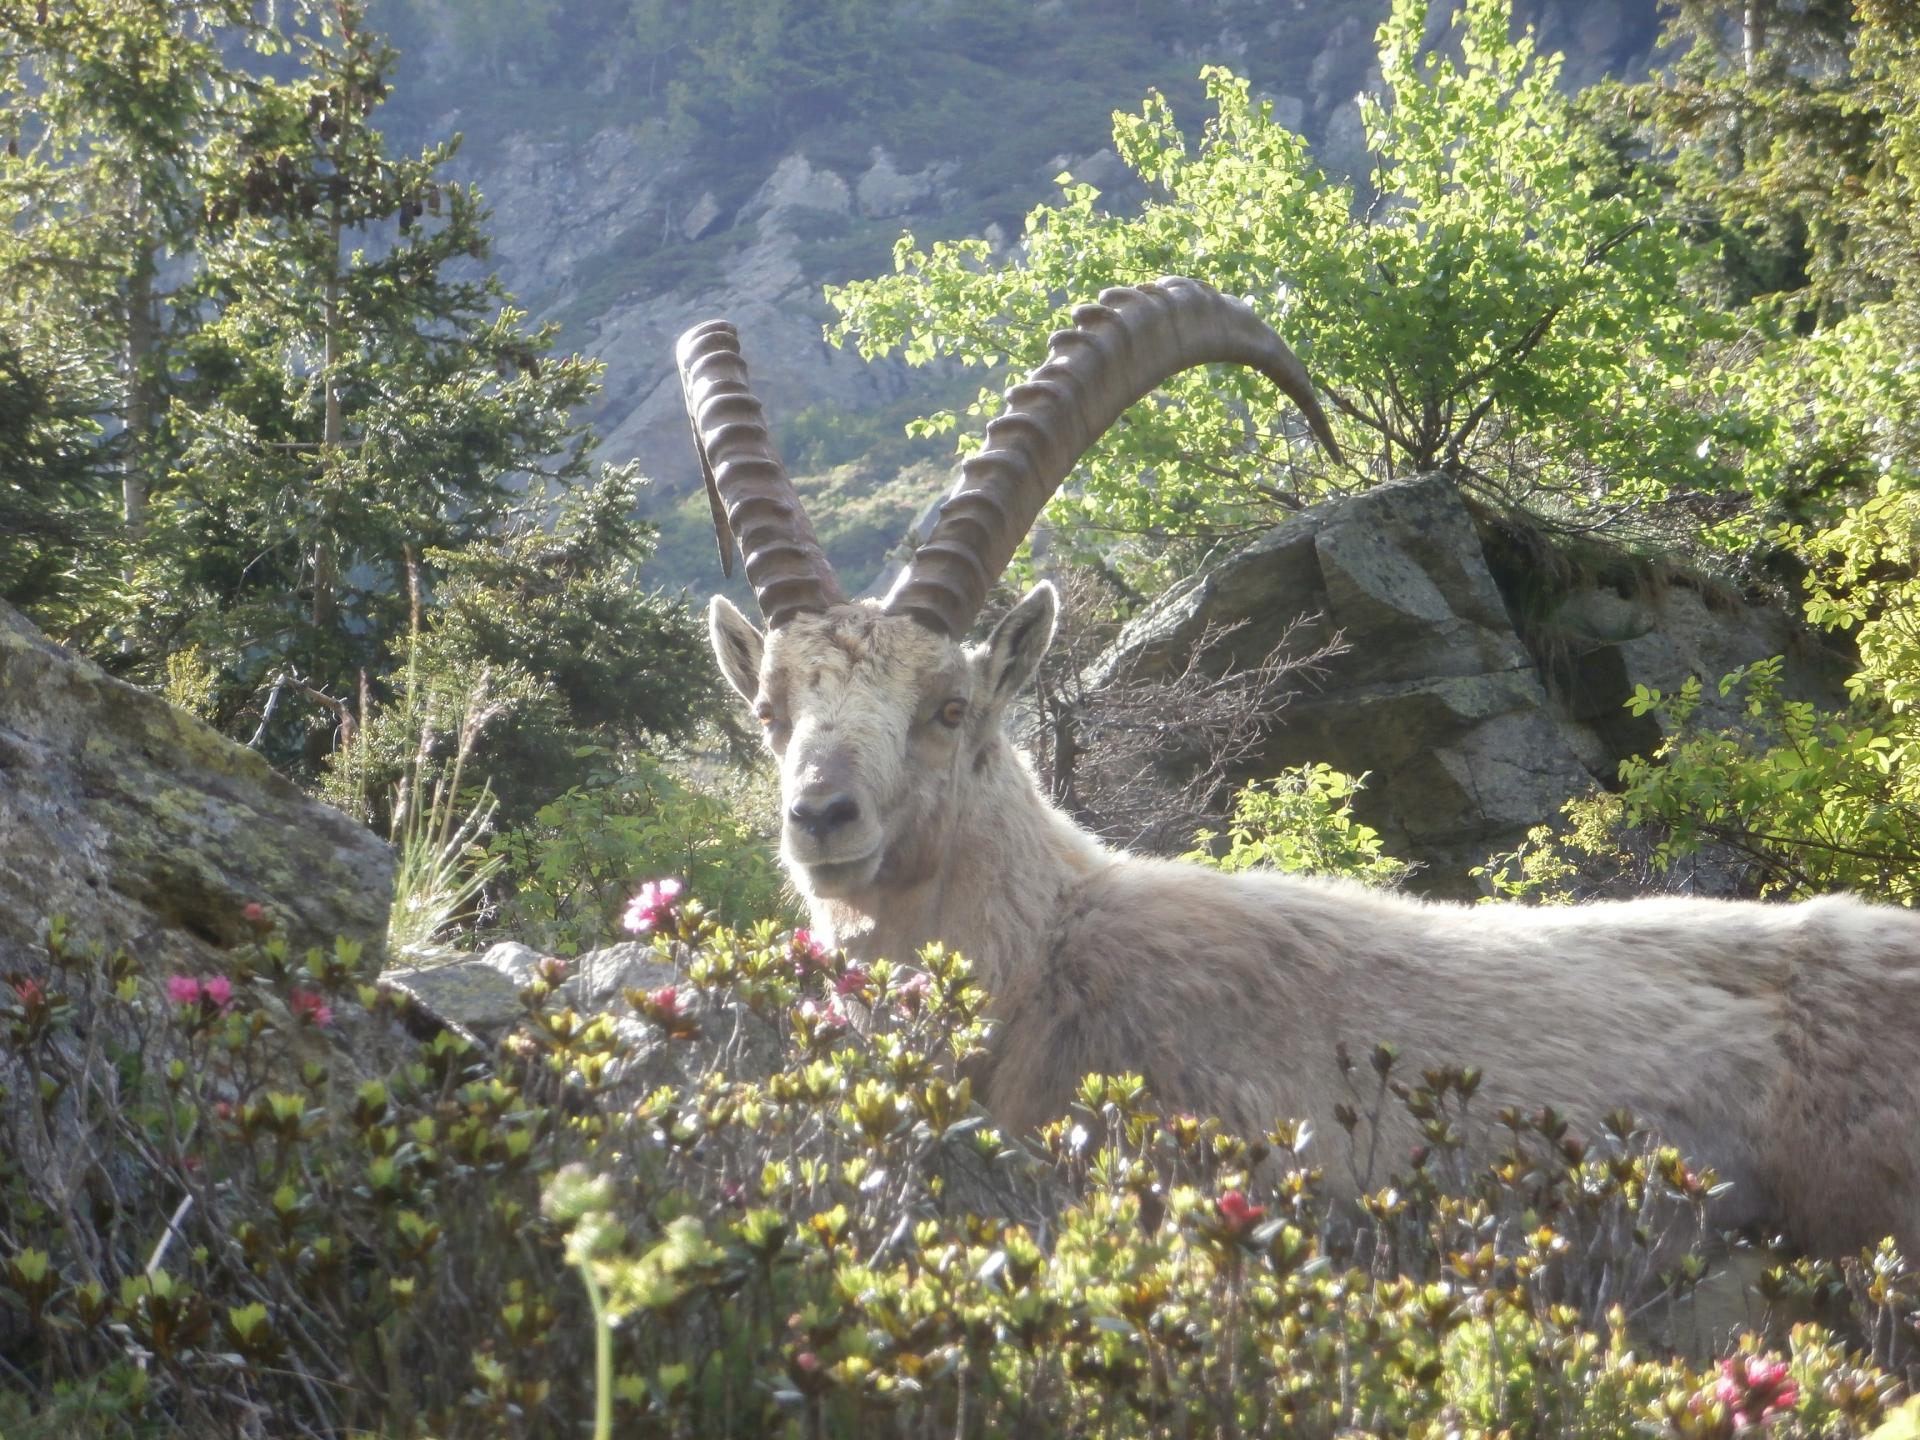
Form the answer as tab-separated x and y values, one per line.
993	884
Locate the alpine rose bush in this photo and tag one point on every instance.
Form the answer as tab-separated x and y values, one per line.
376	1228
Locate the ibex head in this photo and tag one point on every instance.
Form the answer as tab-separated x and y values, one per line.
875	710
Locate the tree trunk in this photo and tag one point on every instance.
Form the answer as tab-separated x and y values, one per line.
326	575
142	334
1753	34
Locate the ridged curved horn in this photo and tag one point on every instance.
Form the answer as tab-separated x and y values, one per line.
1118	351
748	487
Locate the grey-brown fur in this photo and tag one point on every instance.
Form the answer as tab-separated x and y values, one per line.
1778	1043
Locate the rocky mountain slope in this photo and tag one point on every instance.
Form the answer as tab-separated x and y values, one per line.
629	203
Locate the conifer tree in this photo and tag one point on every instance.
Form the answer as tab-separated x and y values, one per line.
106	107
366	397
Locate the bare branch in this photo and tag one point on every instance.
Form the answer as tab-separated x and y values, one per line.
1144	763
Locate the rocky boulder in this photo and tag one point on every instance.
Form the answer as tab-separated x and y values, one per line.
480	996
148	829
1474	717
481	993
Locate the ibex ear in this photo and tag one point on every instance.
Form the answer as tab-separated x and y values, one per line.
1018	642
737	644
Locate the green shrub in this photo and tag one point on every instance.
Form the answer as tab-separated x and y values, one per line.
1818	800
251	1195
1583	853
570	870
1504	301
814	1272
1300	822
524	654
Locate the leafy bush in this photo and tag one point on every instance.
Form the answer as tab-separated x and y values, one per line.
1819	801
1557	864
1823	424
532	651
1301	822
214	1215
569	871
249	1195
1185	1280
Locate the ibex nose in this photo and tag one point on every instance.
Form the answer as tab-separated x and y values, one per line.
820	815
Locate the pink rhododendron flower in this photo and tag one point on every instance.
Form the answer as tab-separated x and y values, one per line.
850	981
652	907
807	1361
31	992
218	992
183	990
254	912
914	990
312	1006
1755	1389
823	1017
1238	1211
806	952
666	1000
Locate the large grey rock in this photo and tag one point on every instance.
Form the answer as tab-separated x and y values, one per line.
148	829
1693	628
1347	48
557	206
1469	733
477	994
568	216
763	288
1289	112
1598	41
481	995
702	217
1343	143
599	979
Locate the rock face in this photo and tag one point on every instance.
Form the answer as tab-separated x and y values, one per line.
146	828
1468	738
569	217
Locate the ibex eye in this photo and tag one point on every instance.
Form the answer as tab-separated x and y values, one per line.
952	713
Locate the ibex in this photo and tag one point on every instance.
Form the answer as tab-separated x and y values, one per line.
1779	1044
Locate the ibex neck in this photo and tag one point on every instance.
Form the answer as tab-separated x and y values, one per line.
995	880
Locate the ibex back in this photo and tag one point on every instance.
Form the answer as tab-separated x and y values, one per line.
1779	1044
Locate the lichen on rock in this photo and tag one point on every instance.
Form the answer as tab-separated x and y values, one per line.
148	829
